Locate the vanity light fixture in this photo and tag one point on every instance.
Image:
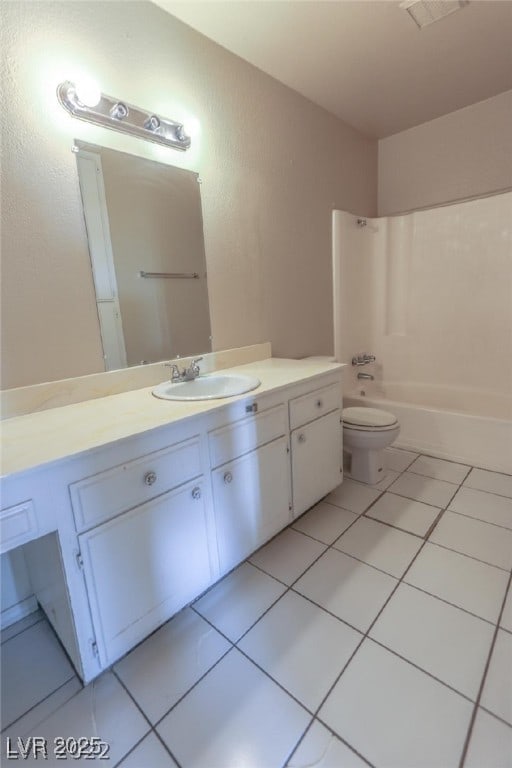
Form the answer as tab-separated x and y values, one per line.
121	116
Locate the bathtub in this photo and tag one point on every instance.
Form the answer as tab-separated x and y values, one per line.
468	426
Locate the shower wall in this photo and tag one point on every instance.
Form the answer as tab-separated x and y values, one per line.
430	293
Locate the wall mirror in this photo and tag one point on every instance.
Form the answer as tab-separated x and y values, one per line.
145	234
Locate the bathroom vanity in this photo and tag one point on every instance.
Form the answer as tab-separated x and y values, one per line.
129	506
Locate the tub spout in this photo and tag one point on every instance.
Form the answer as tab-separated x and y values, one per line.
365	376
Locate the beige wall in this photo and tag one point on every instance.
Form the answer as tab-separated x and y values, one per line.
464	154
273	167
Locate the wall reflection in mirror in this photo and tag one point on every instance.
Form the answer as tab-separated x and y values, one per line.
145	233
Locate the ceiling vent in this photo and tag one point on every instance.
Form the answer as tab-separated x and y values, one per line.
425	12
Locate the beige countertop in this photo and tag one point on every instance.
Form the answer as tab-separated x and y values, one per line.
38	438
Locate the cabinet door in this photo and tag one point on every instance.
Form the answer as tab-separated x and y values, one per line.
316	460
144	565
252	501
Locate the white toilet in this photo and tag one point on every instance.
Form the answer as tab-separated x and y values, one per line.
366	432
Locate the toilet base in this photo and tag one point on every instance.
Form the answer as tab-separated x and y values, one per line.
367	466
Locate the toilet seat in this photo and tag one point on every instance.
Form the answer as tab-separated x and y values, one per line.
368	420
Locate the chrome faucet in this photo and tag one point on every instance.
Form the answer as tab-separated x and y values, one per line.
361	375
187	374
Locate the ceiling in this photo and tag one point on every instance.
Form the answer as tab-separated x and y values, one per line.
366	61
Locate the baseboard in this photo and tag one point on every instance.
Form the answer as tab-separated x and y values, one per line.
18	611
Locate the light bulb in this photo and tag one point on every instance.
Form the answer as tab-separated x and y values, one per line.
191	127
88	93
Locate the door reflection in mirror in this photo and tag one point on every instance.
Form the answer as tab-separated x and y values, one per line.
145	233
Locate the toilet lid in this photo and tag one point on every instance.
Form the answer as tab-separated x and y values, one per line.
368	417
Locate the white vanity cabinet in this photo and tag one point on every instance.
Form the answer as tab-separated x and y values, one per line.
251	491
123	533
316	444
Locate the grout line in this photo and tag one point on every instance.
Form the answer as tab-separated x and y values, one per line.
494	715
422	669
168	711
164	745
452	461
484	677
453	605
449	461
486	490
438	479
297	743
330	613
394	527
45	698
410	498
33	624
132	749
132	697
273	679
262	570
479	519
483	490
492	471
369	565
469	557
336	736
478	560
152	728
433	525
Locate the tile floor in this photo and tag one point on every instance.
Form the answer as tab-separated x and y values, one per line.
376	630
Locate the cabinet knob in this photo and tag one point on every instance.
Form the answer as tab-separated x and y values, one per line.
251	408
228	477
196	492
150	478
302	437
319	403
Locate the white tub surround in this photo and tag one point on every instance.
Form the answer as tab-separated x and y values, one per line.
129	506
429	294
453	433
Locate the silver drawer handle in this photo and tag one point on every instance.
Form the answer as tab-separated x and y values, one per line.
228	477
196	492
319	403
150	478
302	437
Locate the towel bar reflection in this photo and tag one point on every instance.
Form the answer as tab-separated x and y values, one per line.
188	275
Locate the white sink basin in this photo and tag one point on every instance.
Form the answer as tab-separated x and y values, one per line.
209	387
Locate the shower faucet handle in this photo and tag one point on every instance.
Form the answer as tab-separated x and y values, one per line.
363	359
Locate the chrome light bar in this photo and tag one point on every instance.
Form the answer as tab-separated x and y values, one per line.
110	112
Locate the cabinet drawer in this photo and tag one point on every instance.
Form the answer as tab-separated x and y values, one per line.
314	404
100	497
18	524
247	434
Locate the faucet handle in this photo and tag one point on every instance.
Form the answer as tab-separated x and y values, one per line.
193	368
175	371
